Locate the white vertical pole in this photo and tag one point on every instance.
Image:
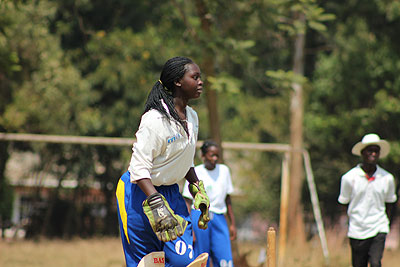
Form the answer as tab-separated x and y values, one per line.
315	204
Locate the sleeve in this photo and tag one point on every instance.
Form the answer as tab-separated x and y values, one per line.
391	194
148	145
345	191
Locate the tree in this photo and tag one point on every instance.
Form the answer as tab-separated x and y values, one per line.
46	93
355	91
297	17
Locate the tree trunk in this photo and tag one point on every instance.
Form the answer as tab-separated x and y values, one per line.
212	106
208	68
296	224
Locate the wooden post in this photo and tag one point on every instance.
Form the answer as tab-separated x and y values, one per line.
271	248
284	208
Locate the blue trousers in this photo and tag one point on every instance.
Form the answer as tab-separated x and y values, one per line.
214	240
138	238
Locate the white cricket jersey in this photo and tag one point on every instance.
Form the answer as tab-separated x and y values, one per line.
217	183
163	151
366	199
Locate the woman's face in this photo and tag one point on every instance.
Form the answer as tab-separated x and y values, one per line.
190	85
211	157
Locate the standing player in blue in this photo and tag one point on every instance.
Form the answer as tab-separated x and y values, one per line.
152	213
217	181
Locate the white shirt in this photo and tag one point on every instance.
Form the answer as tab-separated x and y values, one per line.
366	211
163	151
217	183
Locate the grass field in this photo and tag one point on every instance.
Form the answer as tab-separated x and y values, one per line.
59	253
102	252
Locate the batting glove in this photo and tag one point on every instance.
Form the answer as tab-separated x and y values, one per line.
202	202
165	223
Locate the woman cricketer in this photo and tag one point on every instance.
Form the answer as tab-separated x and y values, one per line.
151	211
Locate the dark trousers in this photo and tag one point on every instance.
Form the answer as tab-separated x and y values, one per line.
367	250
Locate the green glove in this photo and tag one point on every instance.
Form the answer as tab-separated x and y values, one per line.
202	202
166	225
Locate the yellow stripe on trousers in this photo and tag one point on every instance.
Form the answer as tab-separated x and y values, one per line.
121	206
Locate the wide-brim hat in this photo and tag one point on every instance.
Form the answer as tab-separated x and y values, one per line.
369	140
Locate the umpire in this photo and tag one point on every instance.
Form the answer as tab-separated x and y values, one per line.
366	189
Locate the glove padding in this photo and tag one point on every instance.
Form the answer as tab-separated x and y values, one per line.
165	223
202	202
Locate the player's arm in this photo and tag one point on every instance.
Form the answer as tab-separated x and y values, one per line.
147	186
231	218
191	176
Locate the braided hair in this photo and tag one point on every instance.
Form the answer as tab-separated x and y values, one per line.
163	90
206	145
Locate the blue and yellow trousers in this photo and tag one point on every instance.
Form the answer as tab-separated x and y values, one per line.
138	238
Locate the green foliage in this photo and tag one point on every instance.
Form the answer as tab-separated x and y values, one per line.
390	8
355	91
224	83
86	67
285	79
295	17
258	120
48	79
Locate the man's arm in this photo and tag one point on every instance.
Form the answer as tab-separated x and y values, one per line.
343	208
390	208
